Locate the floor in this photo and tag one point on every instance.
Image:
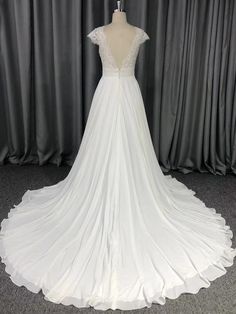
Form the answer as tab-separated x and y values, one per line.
216	191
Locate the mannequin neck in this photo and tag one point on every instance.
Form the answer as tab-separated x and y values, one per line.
119	18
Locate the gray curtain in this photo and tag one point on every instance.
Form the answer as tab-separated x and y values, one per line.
49	70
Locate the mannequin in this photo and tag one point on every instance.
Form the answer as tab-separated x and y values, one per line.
119	35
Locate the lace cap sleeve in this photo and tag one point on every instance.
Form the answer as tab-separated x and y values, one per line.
93	36
144	37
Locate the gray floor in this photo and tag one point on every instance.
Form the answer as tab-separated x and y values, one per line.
216	191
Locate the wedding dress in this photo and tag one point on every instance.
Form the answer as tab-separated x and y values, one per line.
116	232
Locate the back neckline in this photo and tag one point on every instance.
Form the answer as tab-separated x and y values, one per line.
109	51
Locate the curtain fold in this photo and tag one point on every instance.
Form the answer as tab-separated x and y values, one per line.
187	74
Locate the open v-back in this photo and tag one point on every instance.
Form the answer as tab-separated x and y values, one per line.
109	64
133	41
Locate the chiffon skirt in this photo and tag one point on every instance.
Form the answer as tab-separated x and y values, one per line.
116	232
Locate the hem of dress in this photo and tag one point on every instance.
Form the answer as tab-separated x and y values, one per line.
191	285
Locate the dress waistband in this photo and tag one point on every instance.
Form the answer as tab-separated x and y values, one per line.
117	73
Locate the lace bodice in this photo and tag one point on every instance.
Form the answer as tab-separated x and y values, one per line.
109	66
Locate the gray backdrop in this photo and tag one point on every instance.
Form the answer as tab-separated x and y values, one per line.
49	70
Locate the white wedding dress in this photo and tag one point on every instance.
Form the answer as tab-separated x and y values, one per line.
116	232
